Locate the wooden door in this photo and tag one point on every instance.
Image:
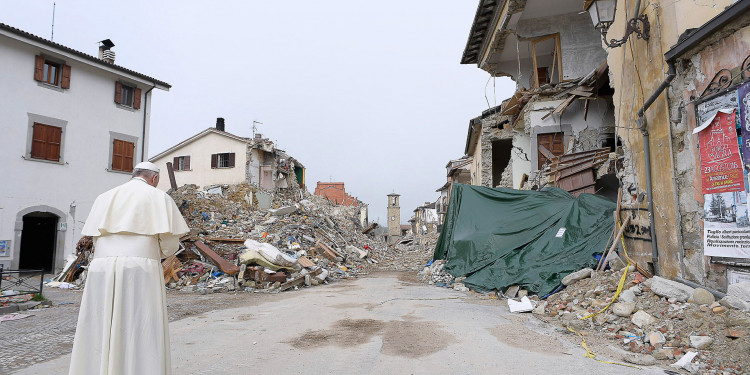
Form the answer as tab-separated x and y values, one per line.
554	142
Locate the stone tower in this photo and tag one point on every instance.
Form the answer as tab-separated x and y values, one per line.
394	218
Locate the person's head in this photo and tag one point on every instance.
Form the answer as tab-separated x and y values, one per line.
151	177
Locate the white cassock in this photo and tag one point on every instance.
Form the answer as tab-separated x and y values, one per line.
122	325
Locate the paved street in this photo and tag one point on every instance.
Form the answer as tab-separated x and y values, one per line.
49	332
385	323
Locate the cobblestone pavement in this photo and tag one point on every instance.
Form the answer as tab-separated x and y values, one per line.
49	333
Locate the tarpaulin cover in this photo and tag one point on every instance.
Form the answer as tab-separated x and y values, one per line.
501	237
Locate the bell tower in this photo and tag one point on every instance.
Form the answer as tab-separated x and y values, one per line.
394	218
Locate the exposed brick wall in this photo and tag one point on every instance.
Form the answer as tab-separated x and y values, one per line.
335	192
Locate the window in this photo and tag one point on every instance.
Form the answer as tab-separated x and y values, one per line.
46	142
127	95
224	160
122	155
181	163
51	72
547	59
393	218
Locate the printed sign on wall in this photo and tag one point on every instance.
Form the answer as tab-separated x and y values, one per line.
721	163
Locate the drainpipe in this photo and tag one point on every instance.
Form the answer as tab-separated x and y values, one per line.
642	126
143	135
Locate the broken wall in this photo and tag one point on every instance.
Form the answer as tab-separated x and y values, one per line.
580	43
695	71
636	70
583	130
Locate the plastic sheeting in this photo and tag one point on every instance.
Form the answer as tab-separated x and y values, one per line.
501	237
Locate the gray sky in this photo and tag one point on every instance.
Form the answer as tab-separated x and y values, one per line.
370	93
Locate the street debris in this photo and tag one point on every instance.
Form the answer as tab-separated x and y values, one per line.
14	316
246	239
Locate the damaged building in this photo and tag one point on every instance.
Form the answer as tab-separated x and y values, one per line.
562	104
217	157
628	97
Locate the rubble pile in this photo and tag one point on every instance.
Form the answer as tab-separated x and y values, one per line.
409	254
237	241
657	320
434	274
245	239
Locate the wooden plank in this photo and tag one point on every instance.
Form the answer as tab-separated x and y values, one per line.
171	265
305	262
170	171
224	265
234	240
299	280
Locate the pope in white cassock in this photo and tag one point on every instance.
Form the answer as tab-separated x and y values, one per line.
122	326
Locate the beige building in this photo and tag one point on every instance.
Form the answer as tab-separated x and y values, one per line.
215	157
210	157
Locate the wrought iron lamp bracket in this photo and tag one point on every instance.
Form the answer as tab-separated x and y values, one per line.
639	25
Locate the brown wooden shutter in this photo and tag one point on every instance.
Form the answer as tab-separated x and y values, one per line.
214	160
128	156
176	163
231	160
54	141
39	68
116	155
45	142
187	163
137	99
39	141
118	92
65	83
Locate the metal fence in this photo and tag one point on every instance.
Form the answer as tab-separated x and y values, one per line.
19	282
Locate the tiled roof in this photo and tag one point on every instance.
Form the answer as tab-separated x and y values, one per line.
86	56
482	22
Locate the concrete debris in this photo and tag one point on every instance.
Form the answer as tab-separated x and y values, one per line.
670	289
735	303
627	296
642	319
639	359
623	309
578	275
700	342
702	297
665	326
740	290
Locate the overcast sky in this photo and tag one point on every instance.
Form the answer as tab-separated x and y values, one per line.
371	93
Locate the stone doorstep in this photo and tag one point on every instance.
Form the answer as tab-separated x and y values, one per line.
9	309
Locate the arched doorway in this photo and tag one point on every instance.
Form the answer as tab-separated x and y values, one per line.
38	241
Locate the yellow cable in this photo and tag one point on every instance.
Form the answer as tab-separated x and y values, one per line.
592	355
620	284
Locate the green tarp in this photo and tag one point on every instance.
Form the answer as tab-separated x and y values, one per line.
501	237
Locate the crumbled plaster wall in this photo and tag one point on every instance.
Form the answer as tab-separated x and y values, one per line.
506	180
724	50
580	43
685	162
490	133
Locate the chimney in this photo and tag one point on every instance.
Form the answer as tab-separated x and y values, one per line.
105	52
258	136
220	123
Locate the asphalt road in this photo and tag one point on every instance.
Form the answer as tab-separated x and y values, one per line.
382	324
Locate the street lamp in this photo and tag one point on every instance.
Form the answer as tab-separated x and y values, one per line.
602	14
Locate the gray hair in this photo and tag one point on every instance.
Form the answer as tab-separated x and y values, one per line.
145	173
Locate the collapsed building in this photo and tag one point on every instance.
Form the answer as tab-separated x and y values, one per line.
216	157
562	104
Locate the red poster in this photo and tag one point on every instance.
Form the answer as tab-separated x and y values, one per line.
720	156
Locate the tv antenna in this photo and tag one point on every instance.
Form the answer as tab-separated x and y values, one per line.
53	22
255	128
